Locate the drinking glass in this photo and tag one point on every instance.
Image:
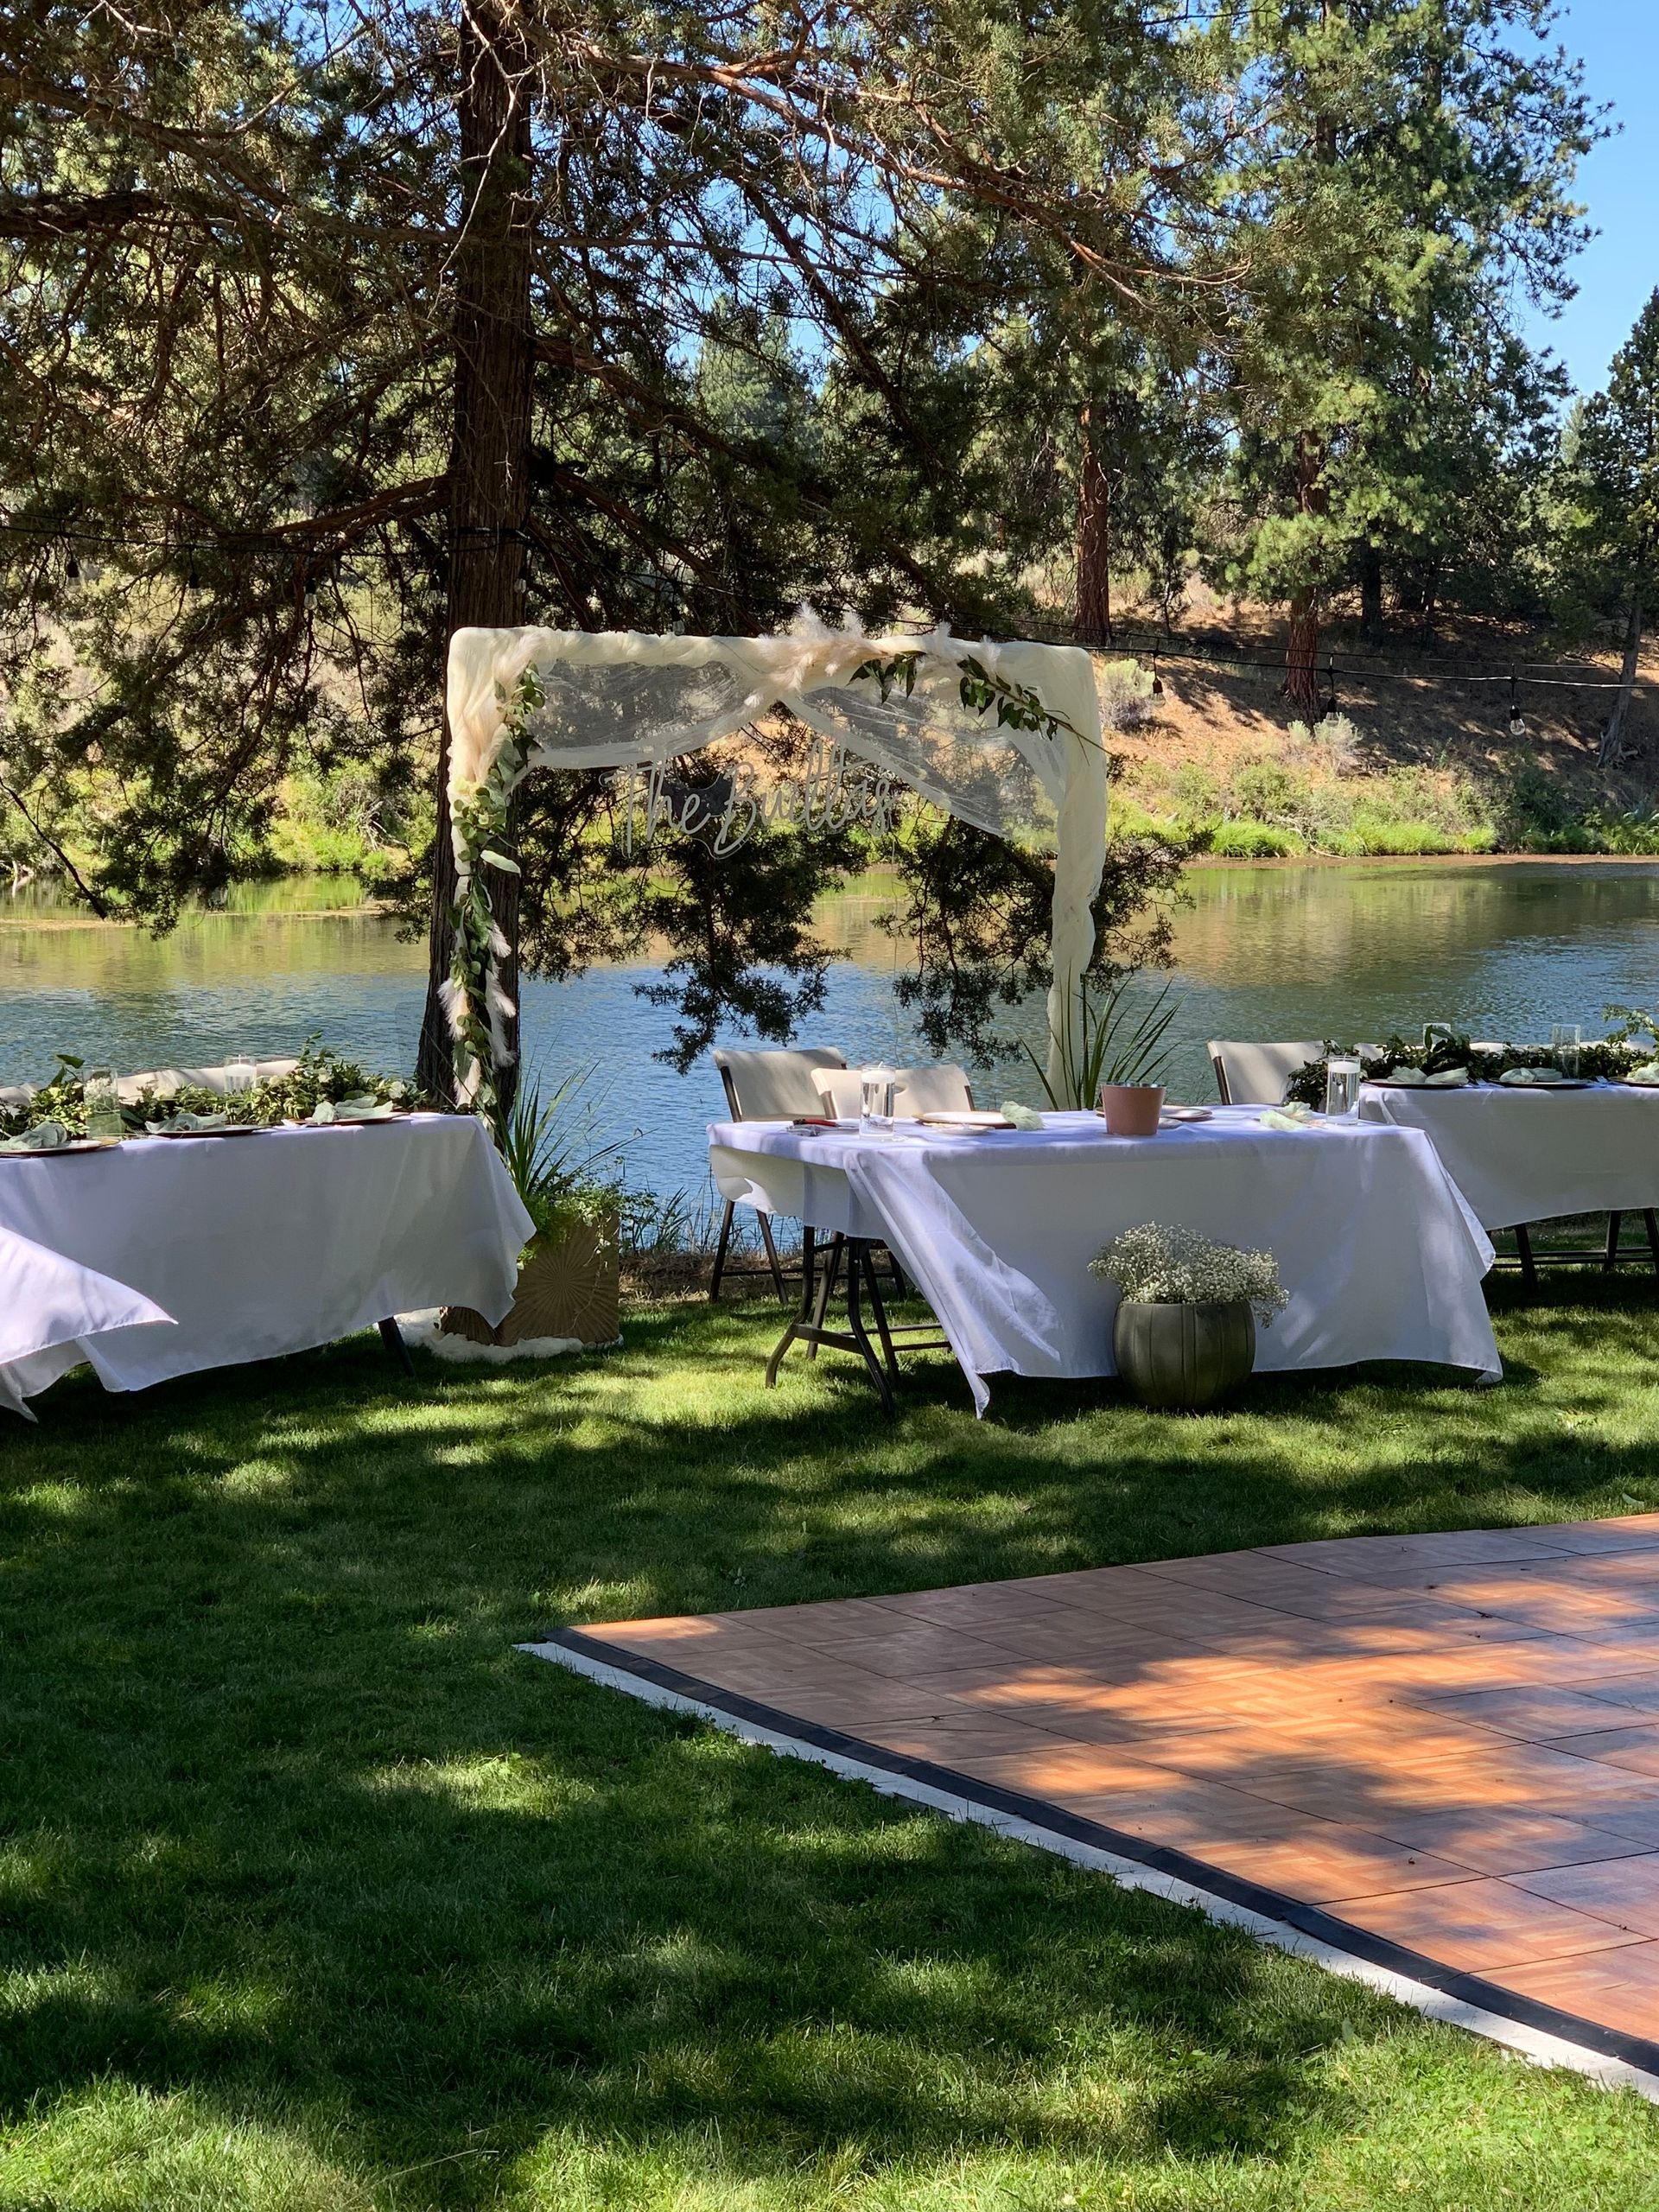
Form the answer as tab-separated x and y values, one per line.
103	1105
876	1090
1341	1086
1564	1046
240	1074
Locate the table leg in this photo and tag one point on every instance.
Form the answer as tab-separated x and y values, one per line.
1653	1235
392	1337
1615	1222
826	1292
858	1265
880	1316
1523	1246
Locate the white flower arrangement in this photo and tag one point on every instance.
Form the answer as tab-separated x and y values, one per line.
1157	1265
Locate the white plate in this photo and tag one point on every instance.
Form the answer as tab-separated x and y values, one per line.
966	1122
75	1144
231	1129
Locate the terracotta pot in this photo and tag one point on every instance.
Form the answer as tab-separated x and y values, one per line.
1131	1110
1184	1356
567	1288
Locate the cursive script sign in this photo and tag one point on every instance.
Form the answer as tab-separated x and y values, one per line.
831	792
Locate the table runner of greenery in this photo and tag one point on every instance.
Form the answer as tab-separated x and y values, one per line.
321	1076
1443	1050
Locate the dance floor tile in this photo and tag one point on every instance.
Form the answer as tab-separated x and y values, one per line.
1448	1741
1625	1891
1481	1924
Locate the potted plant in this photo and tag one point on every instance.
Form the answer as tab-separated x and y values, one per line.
568	1273
1185	1333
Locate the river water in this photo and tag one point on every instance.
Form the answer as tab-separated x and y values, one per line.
1349	950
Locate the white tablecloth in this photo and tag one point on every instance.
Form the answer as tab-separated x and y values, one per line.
271	1243
1528	1156
1382	1258
48	1304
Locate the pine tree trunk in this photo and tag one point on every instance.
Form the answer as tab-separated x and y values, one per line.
1370	592
1301	658
1301	690
1612	737
1092	624
489	457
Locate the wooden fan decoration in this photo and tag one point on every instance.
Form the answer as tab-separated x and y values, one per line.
568	1288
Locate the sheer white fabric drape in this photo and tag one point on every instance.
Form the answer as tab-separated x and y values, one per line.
620	697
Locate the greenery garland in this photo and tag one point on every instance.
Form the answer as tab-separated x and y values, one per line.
478	820
1016	706
321	1076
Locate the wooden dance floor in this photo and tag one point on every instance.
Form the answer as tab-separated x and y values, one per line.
1439	1753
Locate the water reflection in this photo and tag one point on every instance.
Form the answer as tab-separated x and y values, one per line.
1358	949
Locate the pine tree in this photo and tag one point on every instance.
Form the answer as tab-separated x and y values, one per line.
1613	469
1415	171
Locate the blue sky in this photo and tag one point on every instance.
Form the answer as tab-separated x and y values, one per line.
1618	41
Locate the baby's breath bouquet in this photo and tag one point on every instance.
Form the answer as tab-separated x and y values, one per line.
1157	1265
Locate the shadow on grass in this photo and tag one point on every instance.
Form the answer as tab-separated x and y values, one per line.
293	1829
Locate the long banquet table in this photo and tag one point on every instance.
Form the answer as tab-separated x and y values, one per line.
1382	1256
270	1242
1531	1154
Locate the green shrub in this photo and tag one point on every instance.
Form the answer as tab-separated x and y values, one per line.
1245	840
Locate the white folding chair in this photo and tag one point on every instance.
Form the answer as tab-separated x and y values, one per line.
916	1091
768	1086
1256	1075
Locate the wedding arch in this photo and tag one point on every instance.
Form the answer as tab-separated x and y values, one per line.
1005	735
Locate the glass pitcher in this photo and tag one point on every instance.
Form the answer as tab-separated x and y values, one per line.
876	1088
103	1106
1341	1086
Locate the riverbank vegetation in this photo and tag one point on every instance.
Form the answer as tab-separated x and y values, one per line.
321	1898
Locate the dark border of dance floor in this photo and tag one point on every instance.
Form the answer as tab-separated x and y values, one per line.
1359	1943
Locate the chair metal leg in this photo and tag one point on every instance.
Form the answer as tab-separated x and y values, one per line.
773	1260
1615	1222
392	1337
721	1248
1523	1246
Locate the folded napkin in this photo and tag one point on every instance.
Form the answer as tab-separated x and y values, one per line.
1415	1079
1530	1078
1023	1117
188	1121
45	1136
1286	1117
351	1109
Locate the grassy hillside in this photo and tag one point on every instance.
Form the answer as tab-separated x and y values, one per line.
1423	761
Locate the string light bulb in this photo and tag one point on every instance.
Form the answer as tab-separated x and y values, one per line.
1517	719
1157	680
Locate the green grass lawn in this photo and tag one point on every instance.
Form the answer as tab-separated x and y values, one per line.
315	1893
